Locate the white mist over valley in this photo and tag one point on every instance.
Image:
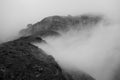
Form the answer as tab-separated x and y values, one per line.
94	50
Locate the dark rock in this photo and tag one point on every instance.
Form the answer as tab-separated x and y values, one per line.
20	60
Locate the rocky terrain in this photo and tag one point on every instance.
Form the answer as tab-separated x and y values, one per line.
51	26
21	60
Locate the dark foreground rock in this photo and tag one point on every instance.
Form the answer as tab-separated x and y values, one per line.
20	60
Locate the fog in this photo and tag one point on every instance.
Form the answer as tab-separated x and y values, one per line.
95	50
16	14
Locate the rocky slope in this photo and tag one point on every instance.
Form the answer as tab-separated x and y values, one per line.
20	60
51	26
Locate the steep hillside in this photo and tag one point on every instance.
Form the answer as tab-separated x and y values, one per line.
20	60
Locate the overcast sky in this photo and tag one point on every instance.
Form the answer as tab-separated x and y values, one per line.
16	14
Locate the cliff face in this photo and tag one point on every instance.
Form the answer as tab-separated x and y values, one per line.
20	60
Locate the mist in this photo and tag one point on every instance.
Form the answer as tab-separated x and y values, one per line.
94	50
16	14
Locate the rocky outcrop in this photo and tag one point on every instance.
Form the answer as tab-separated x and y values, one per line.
50	26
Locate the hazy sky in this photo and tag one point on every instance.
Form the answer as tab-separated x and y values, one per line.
16	14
